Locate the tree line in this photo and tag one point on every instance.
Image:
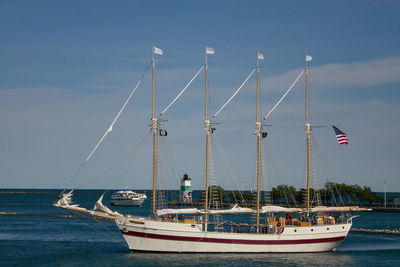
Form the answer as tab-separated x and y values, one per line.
332	193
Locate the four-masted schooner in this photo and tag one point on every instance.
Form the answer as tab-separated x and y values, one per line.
159	233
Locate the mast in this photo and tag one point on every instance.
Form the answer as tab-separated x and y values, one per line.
207	128
308	133
259	136
154	126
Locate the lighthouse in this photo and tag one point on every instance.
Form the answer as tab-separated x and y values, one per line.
186	189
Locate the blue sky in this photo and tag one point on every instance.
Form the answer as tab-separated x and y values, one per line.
66	67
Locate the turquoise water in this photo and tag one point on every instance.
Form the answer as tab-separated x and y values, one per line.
45	236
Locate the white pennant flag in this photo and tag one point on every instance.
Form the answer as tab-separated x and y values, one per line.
260	56
308	58
157	51
209	50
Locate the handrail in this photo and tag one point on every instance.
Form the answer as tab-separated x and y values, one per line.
351	218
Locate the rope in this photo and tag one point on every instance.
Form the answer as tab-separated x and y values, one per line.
281	180
119	113
183	90
108	130
236	92
284	95
225	163
128	155
79	217
317	196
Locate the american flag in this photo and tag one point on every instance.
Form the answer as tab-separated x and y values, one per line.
340	136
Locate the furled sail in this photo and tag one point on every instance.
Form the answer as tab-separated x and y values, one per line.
177	211
337	209
235	209
100	206
65	200
266	209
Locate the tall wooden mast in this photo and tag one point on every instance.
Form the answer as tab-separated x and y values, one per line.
259	136
308	133
154	126
207	128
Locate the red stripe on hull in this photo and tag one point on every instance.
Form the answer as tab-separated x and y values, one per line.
235	241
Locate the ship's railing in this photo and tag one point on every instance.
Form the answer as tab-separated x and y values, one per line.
311	220
272	225
350	220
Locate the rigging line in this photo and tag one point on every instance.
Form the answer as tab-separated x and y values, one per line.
172	164
281	180
313	174
212	175
225	163
265	175
328	173
314	144
166	165
182	91
173	168
169	157
119	113
133	151
284	95
236	92
80	217
109	129
340	195
333	195
354	195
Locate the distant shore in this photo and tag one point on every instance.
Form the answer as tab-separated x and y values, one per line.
386	209
28	192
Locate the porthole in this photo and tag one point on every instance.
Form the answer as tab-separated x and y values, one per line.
343	227
295	230
327	228
312	230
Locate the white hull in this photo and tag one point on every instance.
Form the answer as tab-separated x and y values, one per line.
127	202
148	235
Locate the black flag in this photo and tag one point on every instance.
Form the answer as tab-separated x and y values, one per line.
163	133
264	134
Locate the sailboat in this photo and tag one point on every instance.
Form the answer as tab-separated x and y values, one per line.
307	230
158	233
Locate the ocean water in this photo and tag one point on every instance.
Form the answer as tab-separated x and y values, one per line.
42	235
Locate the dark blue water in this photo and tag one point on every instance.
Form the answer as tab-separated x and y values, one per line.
45	236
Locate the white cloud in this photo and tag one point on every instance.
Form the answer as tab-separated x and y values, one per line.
60	126
356	74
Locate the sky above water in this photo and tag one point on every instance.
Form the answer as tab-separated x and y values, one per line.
66	68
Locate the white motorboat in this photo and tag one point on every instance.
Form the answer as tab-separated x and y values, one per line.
127	198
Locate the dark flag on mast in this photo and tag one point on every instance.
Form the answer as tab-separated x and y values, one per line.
264	134
341	136
163	133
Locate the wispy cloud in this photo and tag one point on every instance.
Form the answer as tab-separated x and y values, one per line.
357	74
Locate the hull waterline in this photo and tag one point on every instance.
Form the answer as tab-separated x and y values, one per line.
127	202
147	235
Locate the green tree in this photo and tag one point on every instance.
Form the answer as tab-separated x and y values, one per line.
359	194
221	194
284	192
